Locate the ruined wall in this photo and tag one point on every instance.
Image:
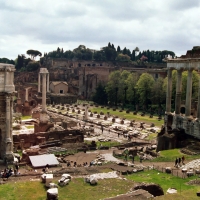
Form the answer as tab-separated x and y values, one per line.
32	139
62	99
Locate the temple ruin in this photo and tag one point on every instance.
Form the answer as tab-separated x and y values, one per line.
7	92
189	121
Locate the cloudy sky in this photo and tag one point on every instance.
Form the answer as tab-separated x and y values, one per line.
45	25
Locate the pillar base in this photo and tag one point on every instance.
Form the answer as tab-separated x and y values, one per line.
44	117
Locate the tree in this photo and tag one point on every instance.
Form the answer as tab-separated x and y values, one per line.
99	56
110	53
123	86
109	45
113	86
118	49
20	62
133	55
144	87
158	93
100	95
132	95
32	66
122	57
33	53
124	51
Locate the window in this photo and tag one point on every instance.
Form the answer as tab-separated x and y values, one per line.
61	91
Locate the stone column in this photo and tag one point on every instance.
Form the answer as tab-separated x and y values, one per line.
48	82
39	82
8	140
188	94
178	92
169	91
44	81
198	105
7	116
26	97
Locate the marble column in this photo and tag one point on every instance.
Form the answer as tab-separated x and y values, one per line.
188	94
169	91
8	140
26	97
178	92
48	82
39	82
198	105
44	81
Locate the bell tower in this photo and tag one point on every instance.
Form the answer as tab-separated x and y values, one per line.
7	91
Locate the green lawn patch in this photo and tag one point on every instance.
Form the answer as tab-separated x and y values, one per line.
130	116
166	181
25	117
77	189
172	154
30	126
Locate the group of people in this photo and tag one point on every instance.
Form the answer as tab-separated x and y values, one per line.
7	172
74	164
179	162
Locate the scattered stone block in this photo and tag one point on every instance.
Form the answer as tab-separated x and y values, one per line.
52	194
168	170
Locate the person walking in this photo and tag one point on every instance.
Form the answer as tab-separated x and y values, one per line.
183	160
176	162
102	129
179	162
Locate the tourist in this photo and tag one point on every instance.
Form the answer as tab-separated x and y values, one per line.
176	162
183	160
179	162
102	129
16	167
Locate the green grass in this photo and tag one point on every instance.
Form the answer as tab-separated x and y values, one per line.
30	126
106	144
170	156
151	136
166	181
77	189
166	156
130	116
26	117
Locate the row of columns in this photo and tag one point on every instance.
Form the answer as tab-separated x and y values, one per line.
178	93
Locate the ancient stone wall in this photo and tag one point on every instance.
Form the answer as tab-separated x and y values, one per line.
32	139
